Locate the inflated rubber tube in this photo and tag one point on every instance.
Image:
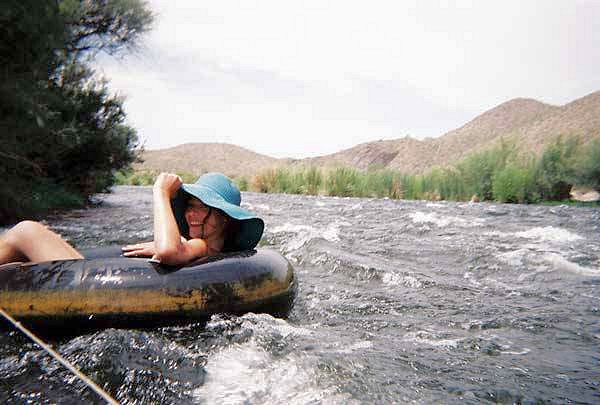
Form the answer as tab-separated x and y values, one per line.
101	292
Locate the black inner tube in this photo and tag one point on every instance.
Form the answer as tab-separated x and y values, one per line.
108	290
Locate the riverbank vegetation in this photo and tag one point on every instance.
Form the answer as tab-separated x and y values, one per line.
63	133
503	174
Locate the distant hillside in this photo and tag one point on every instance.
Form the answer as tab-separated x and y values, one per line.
479	134
530	123
198	158
580	117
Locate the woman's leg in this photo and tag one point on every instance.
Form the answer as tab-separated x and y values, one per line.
32	241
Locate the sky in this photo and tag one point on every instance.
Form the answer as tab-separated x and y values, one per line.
308	78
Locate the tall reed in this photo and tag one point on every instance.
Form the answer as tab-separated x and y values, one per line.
503	173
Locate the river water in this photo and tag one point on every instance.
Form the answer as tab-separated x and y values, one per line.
399	302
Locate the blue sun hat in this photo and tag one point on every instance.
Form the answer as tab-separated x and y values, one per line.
218	191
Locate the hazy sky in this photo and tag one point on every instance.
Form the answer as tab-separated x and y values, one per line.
306	78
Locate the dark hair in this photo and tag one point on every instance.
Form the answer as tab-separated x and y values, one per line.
231	231
179	204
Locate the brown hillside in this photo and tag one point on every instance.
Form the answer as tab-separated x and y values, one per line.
411	155
198	158
530	123
363	156
580	117
483	131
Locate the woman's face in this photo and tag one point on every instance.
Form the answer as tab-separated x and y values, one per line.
204	222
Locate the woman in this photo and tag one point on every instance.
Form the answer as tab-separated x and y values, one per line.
190	221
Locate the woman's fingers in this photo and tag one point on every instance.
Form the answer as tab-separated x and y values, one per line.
144	245
132	251
140	249
169	183
136	252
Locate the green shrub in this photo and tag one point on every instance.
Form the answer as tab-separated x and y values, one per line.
131	178
264	182
288	181
46	196
314	179
121	177
587	167
554	173
409	189
298	184
452	186
512	184
342	182
187	178
241	182
478	169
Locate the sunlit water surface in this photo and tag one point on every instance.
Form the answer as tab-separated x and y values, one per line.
399	301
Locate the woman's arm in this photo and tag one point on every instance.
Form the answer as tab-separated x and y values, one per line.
169	246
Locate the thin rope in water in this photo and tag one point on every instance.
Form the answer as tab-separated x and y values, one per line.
88	381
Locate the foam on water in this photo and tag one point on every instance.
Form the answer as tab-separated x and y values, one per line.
435	205
517	353
393	279
361	345
262	322
256	207
530	275
561	264
492	282
549	234
427	338
471	279
513	258
305	233
247	373
420	217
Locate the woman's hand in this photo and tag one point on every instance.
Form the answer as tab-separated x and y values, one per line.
144	249
167	183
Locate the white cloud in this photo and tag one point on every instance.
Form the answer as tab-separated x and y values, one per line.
307	78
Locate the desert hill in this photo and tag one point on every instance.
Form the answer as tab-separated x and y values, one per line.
530	123
199	158
580	117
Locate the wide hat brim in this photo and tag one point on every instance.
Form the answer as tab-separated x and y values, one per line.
250	227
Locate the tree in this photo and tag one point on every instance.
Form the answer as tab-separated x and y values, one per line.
63	132
110	26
